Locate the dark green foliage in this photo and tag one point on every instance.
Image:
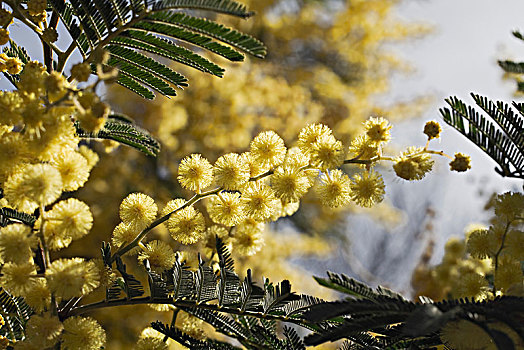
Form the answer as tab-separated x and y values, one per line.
10	216
131	286
125	27
502	139
118	129
15	313
188	341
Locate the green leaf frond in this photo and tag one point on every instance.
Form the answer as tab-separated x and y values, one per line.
15	313
125	132
188	341
9	216
351	286
128	27
502	139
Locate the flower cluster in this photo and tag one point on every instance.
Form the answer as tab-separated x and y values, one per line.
486	263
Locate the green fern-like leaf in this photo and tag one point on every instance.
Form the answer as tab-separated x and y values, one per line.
124	132
15	313
9	216
128	27
483	133
131	286
205	281
277	296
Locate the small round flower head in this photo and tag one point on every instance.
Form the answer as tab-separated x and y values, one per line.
35	7
514	245
138	210
510	205
160	255
55	83
33	185
507	274
367	188
246	242
268	149
13	65
413	164
195	173
464	335
73	168
105	273
16	243
173	205
480	244
82	333
231	171
123	234
432	129
310	134
289	183
43	331
191	325
378	130
226	208
18	278
470	285
50	34
81	71
363	148
71	216
334	189
186	226
327	152
68	278
38	295
90	155
4	36
151	343
296	158
259	201
461	163
255	168
35	118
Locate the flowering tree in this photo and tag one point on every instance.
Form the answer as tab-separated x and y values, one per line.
220	207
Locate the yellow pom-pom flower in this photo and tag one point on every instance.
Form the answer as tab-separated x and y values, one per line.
68	278
480	244
33	185
160	255
378	130
363	148
247	242
82	333
73	168
471	285
18	278
334	188
123	234
510	205
72	217
514	245
13	65
310	134
268	149
43	331
259	201
327	153
16	243
508	274
289	183
432	130
460	163
367	189
38	295
90	155
81	71
151	343
195	173
413	164
231	171
138	210
226	208
186	226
